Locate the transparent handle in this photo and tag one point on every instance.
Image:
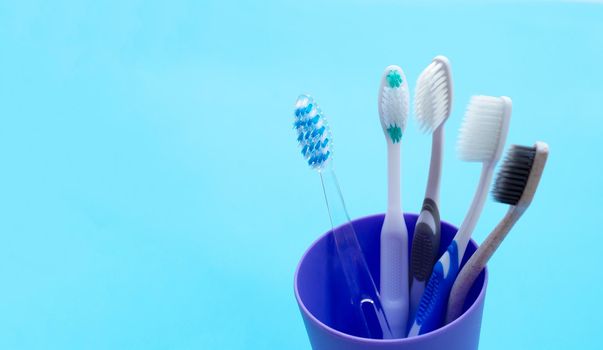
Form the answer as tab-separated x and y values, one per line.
362	288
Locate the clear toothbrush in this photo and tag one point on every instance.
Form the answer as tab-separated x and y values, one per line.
393	112
433	103
482	138
515	184
314	137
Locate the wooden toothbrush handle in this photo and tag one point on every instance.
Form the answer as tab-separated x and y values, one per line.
477	262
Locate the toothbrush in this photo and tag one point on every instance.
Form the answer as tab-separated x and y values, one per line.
393	111
433	103
515	185
314	137
482	138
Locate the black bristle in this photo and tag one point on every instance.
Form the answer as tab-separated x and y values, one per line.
513	175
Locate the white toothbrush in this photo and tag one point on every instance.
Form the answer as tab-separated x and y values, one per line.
393	111
482	138
433	103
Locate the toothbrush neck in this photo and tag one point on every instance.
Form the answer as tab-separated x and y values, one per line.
518	210
338	213
435	166
394	202
464	233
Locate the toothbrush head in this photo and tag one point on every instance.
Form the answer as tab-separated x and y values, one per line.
520	174
484	129
393	103
433	95
313	133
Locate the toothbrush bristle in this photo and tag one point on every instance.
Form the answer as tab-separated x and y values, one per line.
433	95
482	133
513	175
393	103
313	133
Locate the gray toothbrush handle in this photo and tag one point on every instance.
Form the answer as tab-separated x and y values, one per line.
477	262
426	241
424	250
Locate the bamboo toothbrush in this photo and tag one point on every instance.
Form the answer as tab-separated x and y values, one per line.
515	185
393	111
482	138
314	137
433	103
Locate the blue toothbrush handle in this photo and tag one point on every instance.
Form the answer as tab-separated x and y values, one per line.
432	307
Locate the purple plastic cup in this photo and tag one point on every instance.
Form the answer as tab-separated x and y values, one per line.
322	297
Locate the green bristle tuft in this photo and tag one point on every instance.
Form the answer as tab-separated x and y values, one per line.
394	79
395	133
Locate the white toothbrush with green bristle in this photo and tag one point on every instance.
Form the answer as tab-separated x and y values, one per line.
393	111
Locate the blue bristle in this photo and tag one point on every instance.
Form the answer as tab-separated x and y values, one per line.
312	132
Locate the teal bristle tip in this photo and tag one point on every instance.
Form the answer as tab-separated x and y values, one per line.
394	80
395	133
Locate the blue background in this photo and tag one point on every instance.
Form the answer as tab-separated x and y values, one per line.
152	195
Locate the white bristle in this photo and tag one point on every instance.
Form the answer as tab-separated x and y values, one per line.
393	102
484	129
433	96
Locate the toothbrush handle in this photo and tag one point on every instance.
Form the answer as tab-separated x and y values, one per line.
394	272
363	291
432	307
477	262
424	251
